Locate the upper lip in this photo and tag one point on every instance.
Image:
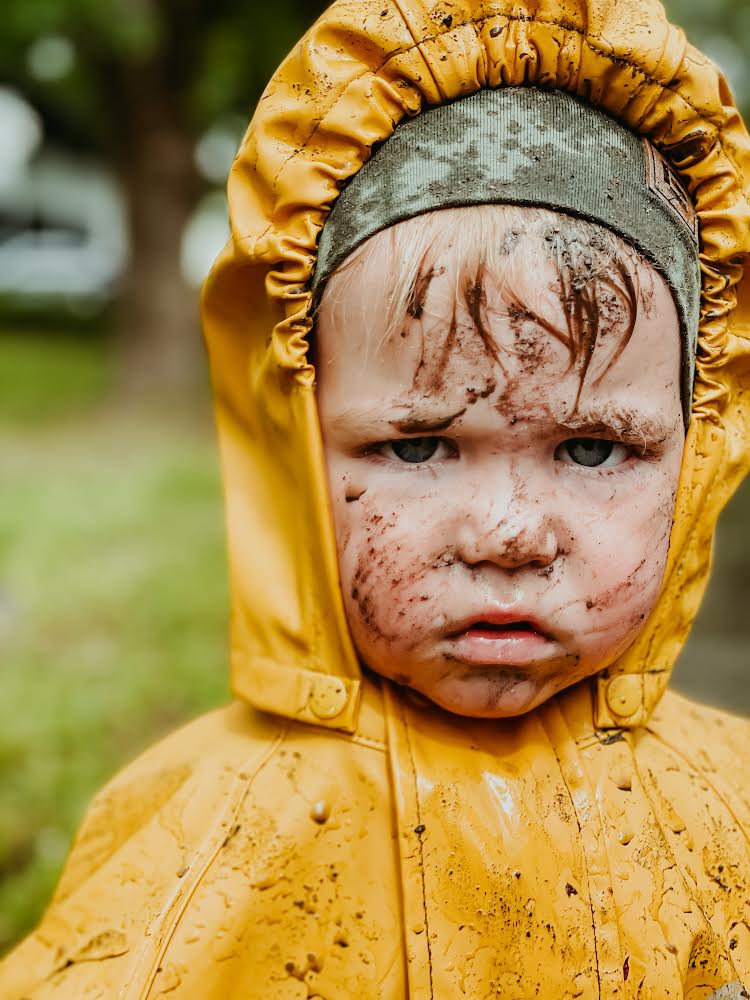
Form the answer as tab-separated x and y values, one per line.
495	616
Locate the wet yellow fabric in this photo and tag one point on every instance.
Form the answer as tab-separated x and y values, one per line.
328	836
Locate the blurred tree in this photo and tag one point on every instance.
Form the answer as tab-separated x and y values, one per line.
142	81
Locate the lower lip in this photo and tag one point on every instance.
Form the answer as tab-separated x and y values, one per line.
501	647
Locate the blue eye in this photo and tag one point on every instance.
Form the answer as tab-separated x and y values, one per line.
416	450
592	453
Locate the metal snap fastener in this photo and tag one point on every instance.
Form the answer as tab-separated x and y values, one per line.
328	697
624	694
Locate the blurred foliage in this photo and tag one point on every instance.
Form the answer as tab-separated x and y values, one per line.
721	29
216	57
113	605
145	81
44	377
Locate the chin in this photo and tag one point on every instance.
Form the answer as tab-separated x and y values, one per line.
491	695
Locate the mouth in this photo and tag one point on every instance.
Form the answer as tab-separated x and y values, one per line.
505	630
501	640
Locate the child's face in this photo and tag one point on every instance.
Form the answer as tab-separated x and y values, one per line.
497	541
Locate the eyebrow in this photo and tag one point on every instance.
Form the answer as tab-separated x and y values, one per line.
633	425
419	420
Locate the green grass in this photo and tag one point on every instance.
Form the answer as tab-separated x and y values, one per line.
113	603
46	376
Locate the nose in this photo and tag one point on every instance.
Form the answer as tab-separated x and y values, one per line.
515	529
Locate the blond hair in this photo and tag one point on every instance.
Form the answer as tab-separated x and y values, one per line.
597	270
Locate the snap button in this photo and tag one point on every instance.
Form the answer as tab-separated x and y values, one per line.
328	697
624	694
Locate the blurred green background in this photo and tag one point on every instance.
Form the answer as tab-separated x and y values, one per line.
119	121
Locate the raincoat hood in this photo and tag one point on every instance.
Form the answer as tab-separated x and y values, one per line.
360	70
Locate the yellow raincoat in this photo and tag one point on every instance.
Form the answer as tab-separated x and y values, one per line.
329	835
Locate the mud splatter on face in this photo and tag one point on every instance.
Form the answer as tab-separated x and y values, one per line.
418	294
598	290
476	304
354	494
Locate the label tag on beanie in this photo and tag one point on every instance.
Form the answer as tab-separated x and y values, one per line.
663	181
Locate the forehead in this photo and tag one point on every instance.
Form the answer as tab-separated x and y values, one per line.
519	304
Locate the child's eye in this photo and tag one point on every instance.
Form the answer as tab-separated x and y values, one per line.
593	452
416	450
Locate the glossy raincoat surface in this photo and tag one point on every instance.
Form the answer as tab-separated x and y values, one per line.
331	836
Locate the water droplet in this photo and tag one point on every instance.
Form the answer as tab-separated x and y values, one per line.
623	779
320	812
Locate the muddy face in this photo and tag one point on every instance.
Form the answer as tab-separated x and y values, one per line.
502	461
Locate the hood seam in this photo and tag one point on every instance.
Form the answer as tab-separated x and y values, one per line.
419	831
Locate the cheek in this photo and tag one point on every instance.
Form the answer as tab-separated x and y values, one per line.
623	551
387	553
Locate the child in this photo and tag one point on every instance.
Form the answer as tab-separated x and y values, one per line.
452	769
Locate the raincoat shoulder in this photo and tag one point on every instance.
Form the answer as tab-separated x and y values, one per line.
712	749
223	860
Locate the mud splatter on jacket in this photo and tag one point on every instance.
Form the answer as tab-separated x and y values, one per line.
327	835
